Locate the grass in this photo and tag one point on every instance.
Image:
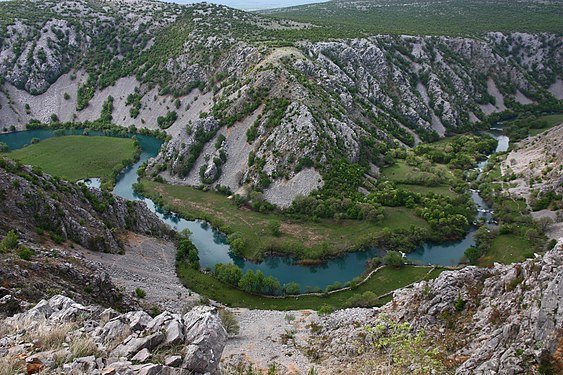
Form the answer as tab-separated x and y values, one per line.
78	157
303	239
382	282
401	172
507	249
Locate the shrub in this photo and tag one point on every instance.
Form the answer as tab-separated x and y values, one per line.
9	242
291	288
393	258
229	322
472	254
164	122
274	228
140	293
25	253
4	147
326	309
459	304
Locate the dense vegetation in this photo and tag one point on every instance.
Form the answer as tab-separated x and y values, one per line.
370	17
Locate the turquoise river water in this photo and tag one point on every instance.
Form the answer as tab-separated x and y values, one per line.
213	247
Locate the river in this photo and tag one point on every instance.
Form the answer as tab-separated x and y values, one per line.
214	249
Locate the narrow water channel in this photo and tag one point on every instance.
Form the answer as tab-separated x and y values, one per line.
214	249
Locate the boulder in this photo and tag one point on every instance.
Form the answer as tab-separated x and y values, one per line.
173	361
134	345
174	332
142	356
206	338
138	320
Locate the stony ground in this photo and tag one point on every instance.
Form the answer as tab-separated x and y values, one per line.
271	338
148	263
533	157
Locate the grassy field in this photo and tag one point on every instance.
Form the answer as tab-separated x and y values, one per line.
382	282
78	157
304	239
507	249
401	172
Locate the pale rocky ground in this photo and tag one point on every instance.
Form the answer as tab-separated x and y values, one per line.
557	89
282	193
149	264
529	159
272	337
53	102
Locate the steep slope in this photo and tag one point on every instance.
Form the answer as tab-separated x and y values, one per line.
537	163
36	204
504	319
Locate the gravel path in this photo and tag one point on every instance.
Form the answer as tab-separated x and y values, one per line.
148	263
271	337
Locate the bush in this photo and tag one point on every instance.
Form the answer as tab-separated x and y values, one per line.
229	322
25	253
291	288
472	254
459	304
164	122
394	259
140	293
326	309
10	241
274	228
4	147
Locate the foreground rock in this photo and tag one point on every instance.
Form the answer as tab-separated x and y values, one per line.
507	319
60	335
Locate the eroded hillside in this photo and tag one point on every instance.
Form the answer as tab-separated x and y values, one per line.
256	103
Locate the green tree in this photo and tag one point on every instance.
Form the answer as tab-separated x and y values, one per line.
291	288
472	254
394	259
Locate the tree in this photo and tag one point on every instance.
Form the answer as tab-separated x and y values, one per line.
274	228
394	259
228	273
248	282
472	254
186	251
291	288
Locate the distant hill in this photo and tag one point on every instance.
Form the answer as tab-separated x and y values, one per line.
430	17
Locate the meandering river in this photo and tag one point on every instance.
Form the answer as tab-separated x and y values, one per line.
214	249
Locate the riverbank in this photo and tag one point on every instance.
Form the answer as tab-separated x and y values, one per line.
375	291
303	239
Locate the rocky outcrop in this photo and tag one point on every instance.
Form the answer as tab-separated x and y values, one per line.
33	203
507	319
51	271
537	160
60	335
